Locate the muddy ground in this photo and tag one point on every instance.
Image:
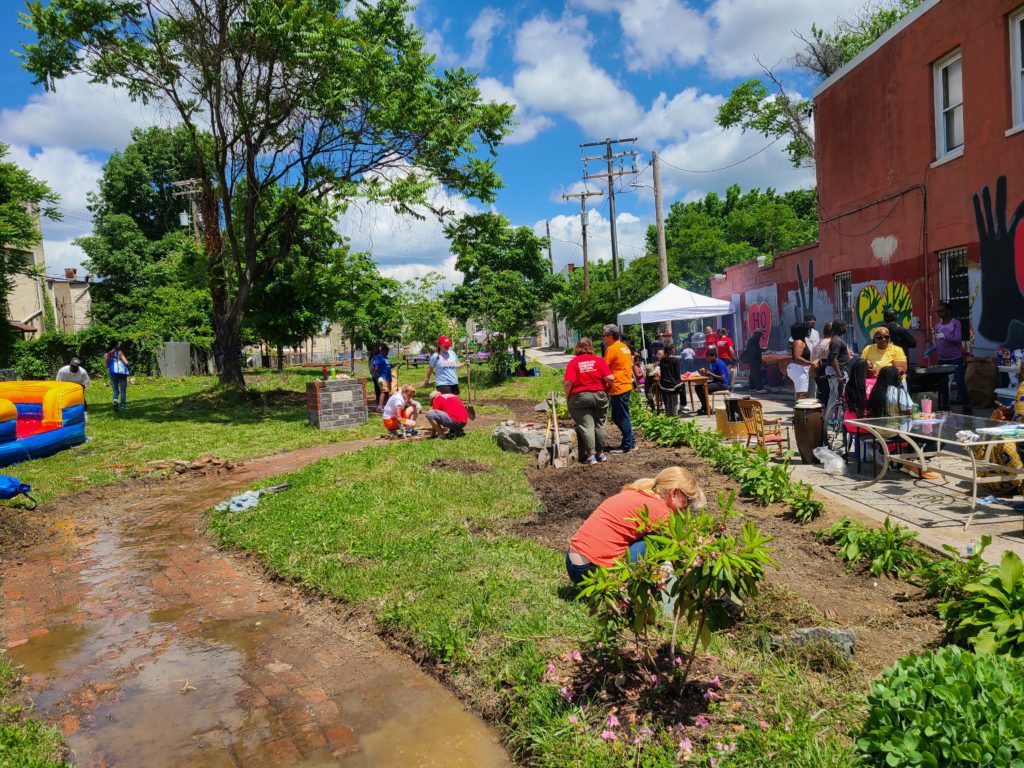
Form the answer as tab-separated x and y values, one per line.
889	617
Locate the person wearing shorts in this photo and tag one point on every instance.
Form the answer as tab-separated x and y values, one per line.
447	415
400	412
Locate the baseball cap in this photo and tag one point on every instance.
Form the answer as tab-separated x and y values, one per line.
444	341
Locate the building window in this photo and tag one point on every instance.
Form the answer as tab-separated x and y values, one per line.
954	286
1017	66
949	105
844	298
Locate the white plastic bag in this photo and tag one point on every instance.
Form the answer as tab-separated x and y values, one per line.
831	461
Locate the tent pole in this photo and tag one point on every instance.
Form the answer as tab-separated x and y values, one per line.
643	340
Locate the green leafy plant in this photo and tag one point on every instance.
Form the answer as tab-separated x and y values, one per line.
710	567
946	577
887	549
990	616
946	709
763	479
802	505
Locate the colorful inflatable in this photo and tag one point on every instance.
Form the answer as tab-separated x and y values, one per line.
38	418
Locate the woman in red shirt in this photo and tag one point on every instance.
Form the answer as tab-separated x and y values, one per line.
611	530
586	383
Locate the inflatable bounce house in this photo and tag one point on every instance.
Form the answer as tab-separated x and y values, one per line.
38	418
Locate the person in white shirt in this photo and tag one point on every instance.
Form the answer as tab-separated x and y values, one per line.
74	372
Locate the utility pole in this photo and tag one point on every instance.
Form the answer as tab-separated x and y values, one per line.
190	189
583	223
551	259
659	217
611	174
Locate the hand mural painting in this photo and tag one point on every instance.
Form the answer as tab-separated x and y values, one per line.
1002	264
805	293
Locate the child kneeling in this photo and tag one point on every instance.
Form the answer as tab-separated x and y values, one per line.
401	411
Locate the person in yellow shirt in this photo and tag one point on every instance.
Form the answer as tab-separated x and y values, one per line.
620	360
883	352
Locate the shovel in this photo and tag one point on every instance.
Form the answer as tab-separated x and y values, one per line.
546	455
558	461
470	409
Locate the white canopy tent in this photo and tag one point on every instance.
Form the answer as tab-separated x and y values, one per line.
673	303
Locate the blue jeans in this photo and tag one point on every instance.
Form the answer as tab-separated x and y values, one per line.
119	385
620	417
577	572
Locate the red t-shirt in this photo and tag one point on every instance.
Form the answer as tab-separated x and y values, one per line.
587	374
711	342
724	344
608	532
452	405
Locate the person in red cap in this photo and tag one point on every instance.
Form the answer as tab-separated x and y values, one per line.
444	364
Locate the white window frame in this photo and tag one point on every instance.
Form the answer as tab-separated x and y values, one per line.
942	150
1017	69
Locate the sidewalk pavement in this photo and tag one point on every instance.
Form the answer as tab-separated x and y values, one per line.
935	509
553	357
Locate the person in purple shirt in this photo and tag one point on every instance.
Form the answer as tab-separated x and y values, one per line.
949	336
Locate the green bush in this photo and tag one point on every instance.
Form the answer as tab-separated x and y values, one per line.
803	506
946	577
946	709
990	616
39	358
887	549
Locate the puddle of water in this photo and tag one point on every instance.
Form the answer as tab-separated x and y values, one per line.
47	653
260	679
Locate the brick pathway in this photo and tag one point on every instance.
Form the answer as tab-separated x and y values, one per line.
149	647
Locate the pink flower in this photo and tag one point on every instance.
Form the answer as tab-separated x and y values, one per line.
566	694
576	656
714	763
677	662
654	680
643	735
727	748
613	721
701	722
715	682
764	725
710	695
573	719
685	748
608	735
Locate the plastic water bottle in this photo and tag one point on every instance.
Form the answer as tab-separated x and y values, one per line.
972	547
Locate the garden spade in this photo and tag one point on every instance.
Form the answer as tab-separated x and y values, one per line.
558	461
470	409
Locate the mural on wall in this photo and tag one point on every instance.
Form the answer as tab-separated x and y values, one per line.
871	306
806	299
763	309
1002	267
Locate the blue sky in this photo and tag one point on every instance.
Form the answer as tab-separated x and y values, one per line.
578	71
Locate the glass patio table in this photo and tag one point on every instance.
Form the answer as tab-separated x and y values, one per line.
946	434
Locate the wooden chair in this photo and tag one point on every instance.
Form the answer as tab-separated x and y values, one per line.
767	432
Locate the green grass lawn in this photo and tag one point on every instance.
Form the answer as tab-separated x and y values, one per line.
183	419
428	553
24	743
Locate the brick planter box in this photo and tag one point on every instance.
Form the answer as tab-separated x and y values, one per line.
336	403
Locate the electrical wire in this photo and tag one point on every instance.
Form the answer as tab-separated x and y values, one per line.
724	167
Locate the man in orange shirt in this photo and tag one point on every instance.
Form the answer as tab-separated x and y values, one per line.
620	360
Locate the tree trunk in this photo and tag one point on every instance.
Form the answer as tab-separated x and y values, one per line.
280	359
227	346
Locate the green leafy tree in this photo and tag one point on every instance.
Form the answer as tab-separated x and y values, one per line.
766	107
423	310
507	278
23	199
330	99
367	305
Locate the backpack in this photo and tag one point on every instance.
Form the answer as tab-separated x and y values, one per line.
11	487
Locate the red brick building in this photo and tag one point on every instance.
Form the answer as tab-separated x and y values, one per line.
908	134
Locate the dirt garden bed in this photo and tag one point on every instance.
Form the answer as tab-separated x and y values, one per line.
890	617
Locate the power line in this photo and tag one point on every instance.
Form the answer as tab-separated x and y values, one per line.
724	167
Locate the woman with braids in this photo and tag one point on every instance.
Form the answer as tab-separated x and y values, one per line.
612	530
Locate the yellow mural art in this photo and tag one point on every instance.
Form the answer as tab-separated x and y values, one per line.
871	306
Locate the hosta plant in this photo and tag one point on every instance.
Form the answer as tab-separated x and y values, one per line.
990	616
887	550
945	577
946	709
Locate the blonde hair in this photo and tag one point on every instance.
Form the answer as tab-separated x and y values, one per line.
408	389
667	480
583	347
433	395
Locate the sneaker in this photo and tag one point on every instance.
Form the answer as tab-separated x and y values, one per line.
701	412
412	432
434	437
620	451
590	460
601	457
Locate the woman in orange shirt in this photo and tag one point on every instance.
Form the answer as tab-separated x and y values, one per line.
611	530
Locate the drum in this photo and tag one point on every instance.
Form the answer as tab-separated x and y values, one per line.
809	428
